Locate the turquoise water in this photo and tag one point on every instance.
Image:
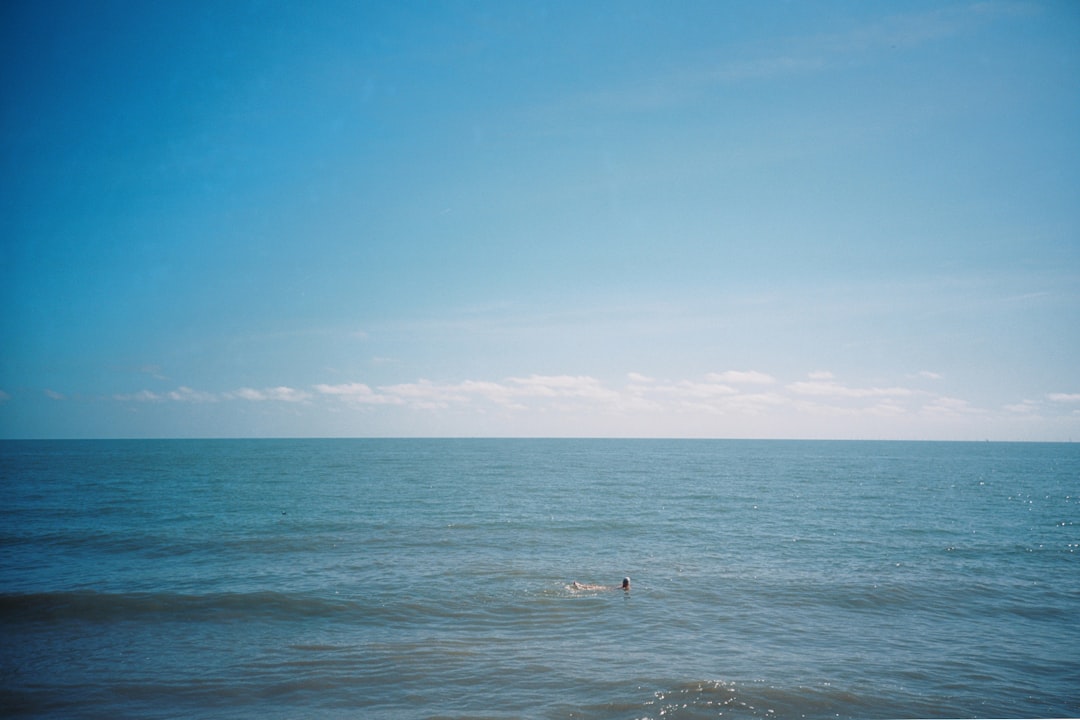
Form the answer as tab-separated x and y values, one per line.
432	578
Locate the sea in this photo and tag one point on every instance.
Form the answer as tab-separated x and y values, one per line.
435	578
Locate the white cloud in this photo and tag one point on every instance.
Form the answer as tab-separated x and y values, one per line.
280	393
710	397
345	389
180	394
423	394
928	375
186	394
720	403
740	377
141	396
54	395
287	394
4	397
834	389
357	392
491	391
580	386
820	375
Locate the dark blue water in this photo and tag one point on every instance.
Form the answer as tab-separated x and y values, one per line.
432	578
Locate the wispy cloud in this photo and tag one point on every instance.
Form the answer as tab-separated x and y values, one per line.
140	396
431	395
53	395
1024	407
280	393
918	28
835	389
357	392
741	377
575	386
733	398
730	392
4	397
1064	397
950	407
180	394
698	390
424	394
153	371
796	56
186	394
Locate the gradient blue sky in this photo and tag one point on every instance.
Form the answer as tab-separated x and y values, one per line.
703	219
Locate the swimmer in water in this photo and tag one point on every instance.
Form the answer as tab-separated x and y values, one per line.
586	586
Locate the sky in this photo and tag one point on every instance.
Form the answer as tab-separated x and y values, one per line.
836	219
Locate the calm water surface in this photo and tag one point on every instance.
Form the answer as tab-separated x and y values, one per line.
432	578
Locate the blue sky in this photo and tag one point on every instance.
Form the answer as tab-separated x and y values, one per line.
692	219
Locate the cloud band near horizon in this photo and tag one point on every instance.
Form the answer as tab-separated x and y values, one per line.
748	392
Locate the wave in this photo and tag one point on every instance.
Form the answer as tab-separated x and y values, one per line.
383	610
91	605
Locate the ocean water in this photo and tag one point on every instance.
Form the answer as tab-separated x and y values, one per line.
433	579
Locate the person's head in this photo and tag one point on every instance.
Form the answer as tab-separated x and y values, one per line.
626	583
